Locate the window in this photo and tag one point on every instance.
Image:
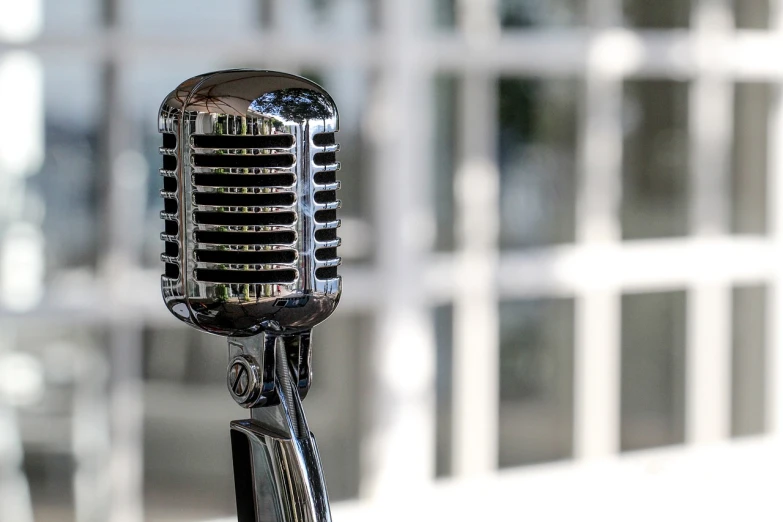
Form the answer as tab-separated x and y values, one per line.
559	239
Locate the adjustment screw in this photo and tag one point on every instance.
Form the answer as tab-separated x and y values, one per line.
239	379
242	380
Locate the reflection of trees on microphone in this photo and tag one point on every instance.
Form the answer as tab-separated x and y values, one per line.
294	105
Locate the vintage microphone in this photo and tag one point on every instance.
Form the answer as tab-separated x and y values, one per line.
250	206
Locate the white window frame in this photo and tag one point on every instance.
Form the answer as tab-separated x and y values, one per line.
408	279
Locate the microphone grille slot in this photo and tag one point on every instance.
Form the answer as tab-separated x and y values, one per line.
171	249
243	180
325	197
325	216
246	277
230	161
244	211
324	158
169	140
245	218
172	271
170	205
324	139
325	254
326	273
170	228
169	184
323	178
245	257
228	200
169	162
328	234
245	238
243	142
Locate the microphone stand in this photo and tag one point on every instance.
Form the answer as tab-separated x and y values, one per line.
277	469
233	141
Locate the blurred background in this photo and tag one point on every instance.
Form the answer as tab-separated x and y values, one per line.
562	245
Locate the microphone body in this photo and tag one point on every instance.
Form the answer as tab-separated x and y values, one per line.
249	202
250	253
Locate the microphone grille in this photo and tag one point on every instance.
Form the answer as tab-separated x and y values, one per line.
244	205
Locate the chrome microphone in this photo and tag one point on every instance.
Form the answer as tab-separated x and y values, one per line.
250	253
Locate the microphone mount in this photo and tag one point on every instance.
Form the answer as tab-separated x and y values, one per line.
277	468
253	362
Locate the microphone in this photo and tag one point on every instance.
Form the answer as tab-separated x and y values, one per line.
250	253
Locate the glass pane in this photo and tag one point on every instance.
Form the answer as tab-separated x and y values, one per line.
66	189
748	398
444	328
445	13
655	159
528	13
661	14
197	19
74	16
516	14
536	381
375	13
752	14
445	140
752	103
537	144
653	370
345	16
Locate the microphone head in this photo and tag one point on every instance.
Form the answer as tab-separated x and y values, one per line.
250	206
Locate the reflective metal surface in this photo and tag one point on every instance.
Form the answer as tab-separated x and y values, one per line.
277	469
252	363
250	202
250	213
